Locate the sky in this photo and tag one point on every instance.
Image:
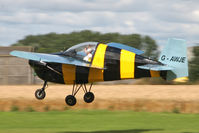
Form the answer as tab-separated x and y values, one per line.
160	19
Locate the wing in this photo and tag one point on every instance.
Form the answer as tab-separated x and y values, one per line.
125	47
51	58
156	67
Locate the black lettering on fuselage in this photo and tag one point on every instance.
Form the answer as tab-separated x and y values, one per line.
178	59
163	57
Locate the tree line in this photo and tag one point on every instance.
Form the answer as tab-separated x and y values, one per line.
53	42
194	65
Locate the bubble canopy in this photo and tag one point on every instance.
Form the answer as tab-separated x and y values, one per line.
79	51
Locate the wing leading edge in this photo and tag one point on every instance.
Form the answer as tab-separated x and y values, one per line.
50	58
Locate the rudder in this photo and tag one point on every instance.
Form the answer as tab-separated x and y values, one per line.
175	55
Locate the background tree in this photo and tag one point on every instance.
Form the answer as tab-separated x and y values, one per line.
194	65
150	47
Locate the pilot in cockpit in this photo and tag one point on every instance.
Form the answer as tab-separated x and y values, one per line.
88	50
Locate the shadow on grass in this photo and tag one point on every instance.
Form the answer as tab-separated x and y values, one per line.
118	131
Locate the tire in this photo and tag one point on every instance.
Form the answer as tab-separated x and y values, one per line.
89	97
70	100
40	94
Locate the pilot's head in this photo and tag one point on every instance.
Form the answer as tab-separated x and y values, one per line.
88	49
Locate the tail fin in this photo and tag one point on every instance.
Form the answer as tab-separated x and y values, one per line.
175	55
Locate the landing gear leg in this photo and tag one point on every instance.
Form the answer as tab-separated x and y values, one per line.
40	93
70	99
88	96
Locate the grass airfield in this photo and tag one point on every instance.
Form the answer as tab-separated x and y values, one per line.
151	98
97	121
157	109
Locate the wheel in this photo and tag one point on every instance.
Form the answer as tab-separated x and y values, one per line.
40	94
70	100
89	97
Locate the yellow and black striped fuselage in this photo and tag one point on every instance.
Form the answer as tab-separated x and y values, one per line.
118	64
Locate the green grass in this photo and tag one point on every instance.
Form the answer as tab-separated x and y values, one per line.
97	121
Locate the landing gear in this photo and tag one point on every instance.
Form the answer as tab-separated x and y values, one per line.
40	93
70	100
88	97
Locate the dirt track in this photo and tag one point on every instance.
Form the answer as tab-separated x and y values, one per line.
154	98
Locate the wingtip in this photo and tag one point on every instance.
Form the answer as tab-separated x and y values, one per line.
13	53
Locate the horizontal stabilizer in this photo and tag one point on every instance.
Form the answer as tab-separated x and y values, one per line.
125	47
156	67
50	58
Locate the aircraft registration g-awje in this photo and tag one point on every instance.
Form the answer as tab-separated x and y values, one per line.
91	62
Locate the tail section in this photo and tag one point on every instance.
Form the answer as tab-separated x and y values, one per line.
175	55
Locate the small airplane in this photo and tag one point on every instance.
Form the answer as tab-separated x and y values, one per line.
91	62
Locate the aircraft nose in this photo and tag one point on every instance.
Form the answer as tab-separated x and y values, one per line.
31	63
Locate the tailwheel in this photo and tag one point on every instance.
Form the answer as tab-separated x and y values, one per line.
70	100
89	97
40	94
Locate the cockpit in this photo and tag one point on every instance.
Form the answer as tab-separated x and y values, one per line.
83	51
